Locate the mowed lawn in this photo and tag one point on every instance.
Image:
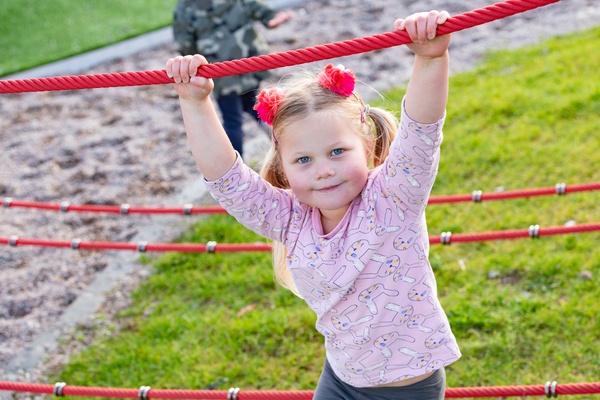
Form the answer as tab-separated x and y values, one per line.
37	32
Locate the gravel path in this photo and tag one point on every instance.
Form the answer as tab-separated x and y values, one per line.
127	145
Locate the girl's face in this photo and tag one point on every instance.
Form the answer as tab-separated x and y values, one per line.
326	163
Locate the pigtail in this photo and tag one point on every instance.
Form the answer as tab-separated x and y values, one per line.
272	172
283	276
385	126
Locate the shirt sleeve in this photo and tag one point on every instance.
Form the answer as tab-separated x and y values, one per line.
411	167
269	211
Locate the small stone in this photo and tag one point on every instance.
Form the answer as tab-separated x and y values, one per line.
586	275
493	275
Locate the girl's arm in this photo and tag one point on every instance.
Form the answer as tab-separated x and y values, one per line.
208	141
427	92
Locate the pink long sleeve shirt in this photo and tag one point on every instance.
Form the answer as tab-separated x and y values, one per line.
369	280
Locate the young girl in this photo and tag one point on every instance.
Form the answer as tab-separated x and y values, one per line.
344	197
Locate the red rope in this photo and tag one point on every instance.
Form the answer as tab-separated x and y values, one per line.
265	247
470	392
122	209
518	391
517	233
453	198
275	60
520	193
142	246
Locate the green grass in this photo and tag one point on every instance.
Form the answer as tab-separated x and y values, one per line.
526	118
186	316
36	32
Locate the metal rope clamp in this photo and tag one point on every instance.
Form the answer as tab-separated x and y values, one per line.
6	202
141	247
445	237
561	188
58	388
125	208
476	196
13	240
210	246
143	392
232	393
187	209
550	389
64	206
534	231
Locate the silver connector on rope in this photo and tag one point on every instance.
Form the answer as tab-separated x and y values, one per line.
550	389
476	196
232	393
58	389
445	237
210	246
534	231
143	392
561	188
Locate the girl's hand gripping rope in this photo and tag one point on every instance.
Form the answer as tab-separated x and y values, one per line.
183	70
427	91
422	30
208	141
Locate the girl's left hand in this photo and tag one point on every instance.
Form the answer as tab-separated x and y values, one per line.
421	28
183	70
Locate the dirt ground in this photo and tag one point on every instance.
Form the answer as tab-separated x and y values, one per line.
127	145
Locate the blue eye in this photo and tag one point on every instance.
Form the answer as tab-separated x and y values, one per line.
303	160
337	152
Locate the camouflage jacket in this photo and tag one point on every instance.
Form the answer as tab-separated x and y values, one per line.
223	30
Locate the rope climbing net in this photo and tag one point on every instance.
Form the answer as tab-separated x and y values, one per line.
278	60
444	238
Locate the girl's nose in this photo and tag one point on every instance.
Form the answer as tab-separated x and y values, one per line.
325	171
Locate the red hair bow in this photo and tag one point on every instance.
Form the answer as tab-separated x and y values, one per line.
338	79
267	103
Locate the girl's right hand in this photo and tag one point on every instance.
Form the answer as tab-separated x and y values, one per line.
183	70
421	28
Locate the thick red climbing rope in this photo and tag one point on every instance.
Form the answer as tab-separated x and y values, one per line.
77	244
478	196
534	231
126	209
276	60
550	390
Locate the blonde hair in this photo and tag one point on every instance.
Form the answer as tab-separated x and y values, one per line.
305	97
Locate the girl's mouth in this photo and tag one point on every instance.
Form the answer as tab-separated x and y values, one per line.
328	189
